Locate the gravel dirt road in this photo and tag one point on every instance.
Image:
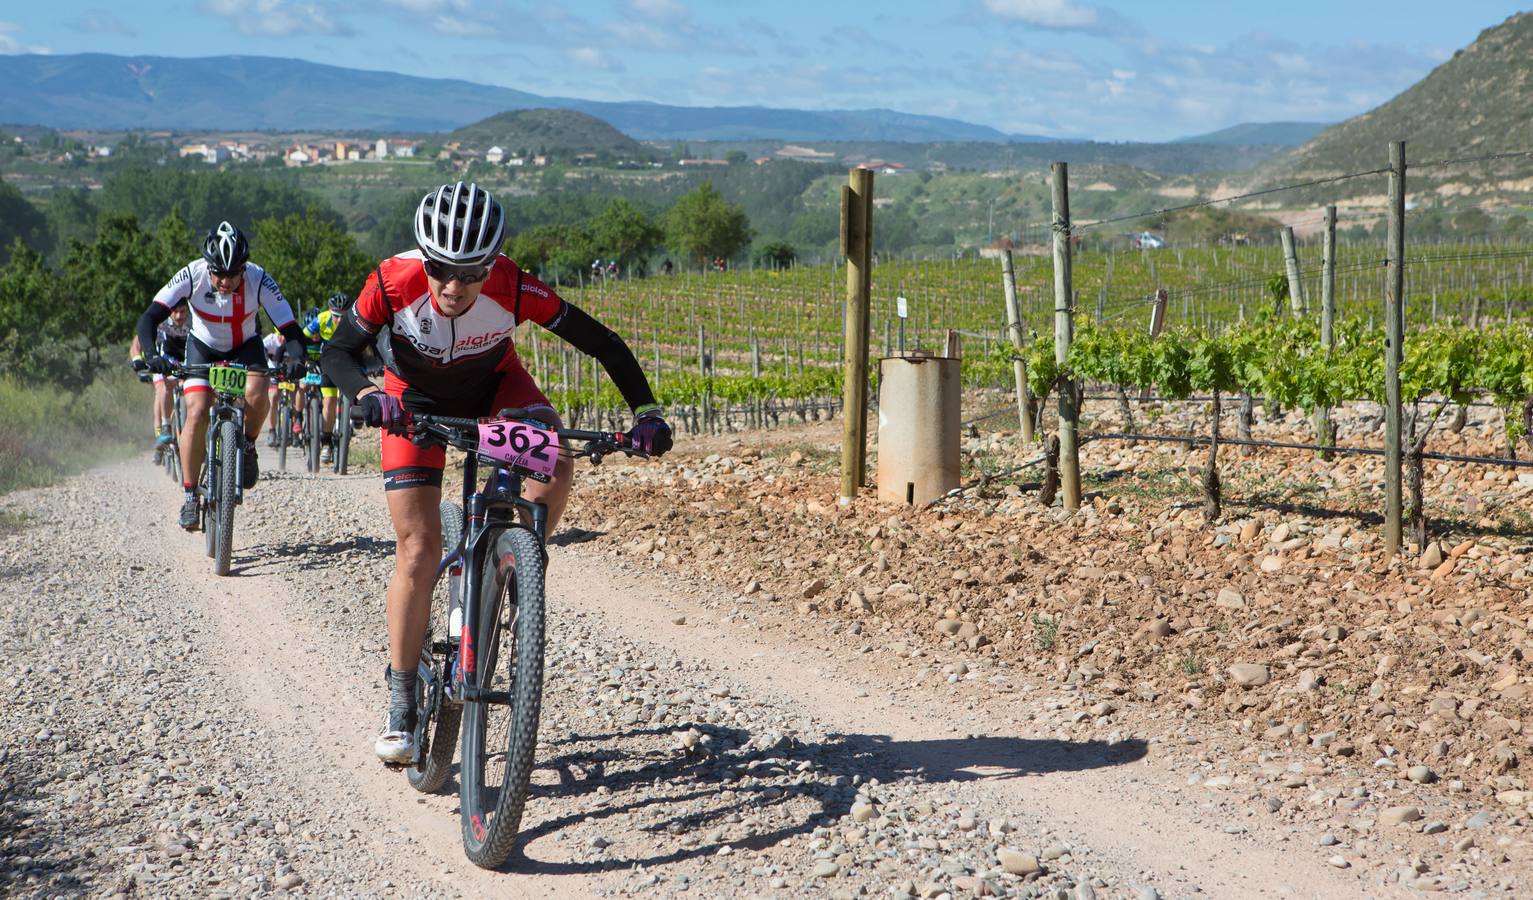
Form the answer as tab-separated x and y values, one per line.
171	733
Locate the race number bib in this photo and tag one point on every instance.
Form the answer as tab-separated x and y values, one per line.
528	448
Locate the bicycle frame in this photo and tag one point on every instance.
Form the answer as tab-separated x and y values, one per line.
224	408
485	510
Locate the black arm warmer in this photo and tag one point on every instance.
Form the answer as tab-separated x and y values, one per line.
595	339
148	324
343	357
297	345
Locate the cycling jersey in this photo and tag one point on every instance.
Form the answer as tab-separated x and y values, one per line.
443	356
223	322
273	345
321	328
170	341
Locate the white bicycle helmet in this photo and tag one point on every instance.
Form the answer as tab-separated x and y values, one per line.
460	225
225	249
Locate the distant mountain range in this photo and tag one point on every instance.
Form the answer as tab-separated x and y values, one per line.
1288	134
101	91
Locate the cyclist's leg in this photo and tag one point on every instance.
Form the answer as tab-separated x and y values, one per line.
252	355
162	407
418	551
518	390
199	399
331	398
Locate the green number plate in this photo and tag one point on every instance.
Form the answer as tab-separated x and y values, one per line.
227	380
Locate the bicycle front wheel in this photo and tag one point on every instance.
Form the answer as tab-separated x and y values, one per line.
499	740
284	428
440	719
315	417
223	508
343	436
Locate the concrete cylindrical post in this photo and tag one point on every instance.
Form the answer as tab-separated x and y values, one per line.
918	428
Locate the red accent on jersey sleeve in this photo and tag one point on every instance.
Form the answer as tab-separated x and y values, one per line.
539	302
372	307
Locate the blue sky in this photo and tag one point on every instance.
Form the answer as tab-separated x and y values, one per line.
1066	68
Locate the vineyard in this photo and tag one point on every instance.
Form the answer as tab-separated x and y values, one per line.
745	349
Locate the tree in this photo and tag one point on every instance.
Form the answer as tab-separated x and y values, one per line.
1472	222
71	215
735	157
20	219
625	233
27	317
776	255
105	285
703	225
310	257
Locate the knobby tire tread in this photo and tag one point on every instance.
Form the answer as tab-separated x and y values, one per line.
491	850
284	428
315	418
223	512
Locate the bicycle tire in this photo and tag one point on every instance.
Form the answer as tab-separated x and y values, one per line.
223	509
284	428
343	436
208	480
315	418
436	763
491	819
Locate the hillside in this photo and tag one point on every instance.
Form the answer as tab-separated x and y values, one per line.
1284	133
1480	102
555	131
103	91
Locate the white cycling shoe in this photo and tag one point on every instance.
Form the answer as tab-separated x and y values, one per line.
395	747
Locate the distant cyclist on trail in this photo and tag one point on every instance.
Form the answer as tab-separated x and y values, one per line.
319	328
224	290
448	309
169	342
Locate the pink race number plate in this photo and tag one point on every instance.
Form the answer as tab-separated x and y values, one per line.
527	448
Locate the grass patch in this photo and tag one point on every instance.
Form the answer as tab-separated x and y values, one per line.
12	520
1045	631
1193	663
50	433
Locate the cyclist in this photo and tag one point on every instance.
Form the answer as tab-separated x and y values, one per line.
449	308
273	344
224	290
319	328
169	342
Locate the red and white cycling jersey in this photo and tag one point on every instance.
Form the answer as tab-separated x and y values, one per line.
223	322
447	356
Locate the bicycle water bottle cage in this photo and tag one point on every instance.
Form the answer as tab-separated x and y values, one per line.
228	381
312	379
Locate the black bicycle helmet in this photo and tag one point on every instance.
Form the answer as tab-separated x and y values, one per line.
226	249
339	301
460	225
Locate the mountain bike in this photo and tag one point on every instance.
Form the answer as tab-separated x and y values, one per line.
221	487
170	452
282	434
485	670
342	435
312	434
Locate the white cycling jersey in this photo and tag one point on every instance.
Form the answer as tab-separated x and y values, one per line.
223	322
273	343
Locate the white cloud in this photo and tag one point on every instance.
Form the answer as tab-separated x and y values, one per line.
98	21
659	9
1060	14
9	44
276	18
592	58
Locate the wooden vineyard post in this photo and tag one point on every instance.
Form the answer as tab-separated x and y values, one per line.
755	356
1327	321
1291	265
1064	332
1394	337
1014	331
657	363
857	247
702	353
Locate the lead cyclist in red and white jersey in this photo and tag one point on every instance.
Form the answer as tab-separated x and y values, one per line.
224	291
449	309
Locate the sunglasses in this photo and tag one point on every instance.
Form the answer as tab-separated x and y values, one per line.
220	273
467	274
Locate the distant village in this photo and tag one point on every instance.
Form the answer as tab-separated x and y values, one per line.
326	151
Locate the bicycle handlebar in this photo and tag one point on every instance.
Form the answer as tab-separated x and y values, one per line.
463	433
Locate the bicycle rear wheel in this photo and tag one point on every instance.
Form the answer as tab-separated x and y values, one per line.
228	446
314	417
440	720
499	741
